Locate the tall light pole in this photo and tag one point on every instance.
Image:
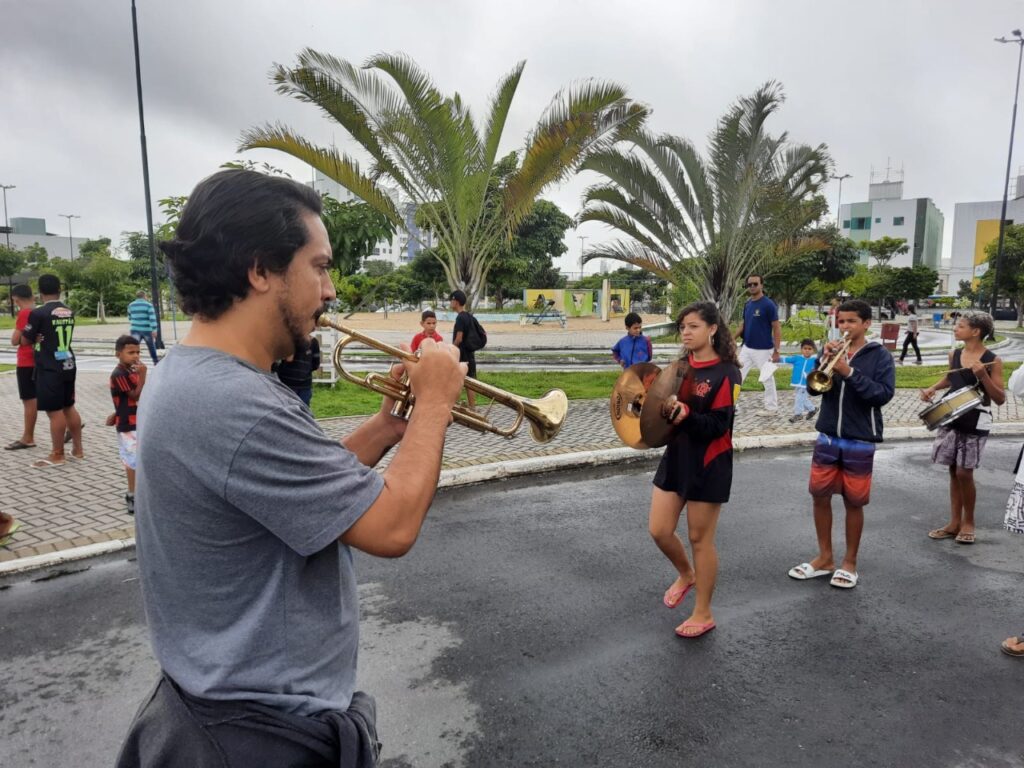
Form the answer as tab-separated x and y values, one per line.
1017	40
839	202
583	243
69	217
7	228
154	278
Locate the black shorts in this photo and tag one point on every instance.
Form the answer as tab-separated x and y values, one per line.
469	357
26	382
55	391
682	471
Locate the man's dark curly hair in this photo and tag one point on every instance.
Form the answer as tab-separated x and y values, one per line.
233	220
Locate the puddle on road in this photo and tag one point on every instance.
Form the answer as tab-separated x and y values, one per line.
423	720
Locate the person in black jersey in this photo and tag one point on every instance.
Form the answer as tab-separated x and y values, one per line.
296	372
696	469
960	444
50	328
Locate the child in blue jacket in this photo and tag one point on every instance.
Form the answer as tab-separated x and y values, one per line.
802	364
634	347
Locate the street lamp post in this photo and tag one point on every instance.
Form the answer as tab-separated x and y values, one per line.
7	227
1017	40
839	202
69	217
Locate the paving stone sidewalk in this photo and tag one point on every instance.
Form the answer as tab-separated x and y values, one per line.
83	502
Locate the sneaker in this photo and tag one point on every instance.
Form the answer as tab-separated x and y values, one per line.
811	414
129	501
917	362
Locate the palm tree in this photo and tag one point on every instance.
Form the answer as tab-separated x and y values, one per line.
430	147
717	218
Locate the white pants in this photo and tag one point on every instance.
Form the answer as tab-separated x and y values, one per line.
755	358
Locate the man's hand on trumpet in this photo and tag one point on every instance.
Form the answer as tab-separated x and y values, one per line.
436	379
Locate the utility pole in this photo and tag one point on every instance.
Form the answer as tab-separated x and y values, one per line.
71	247
1017	40
7	227
839	202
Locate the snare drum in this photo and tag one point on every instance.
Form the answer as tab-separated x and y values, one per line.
951	407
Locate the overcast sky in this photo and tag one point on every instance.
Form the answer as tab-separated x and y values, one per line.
920	83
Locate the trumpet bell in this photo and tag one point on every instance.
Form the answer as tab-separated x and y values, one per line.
546	414
819	382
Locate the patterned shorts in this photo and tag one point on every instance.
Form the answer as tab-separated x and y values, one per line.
841	466
126	445
955	449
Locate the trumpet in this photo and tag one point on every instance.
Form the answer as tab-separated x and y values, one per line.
820	381
545	414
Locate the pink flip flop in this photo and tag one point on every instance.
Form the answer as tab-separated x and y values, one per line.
674	597
702	629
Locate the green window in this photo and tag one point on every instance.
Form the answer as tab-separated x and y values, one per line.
897	221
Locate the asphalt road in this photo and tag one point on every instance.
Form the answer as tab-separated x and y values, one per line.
526	629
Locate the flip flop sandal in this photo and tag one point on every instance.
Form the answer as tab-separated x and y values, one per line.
965	538
17	445
806	571
674	598
844	579
1011	651
44	463
701	629
941	533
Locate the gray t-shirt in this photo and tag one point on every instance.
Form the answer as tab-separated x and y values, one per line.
240	501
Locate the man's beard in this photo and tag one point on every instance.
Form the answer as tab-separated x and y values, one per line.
296	326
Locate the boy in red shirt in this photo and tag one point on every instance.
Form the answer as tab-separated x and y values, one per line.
26	369
126	383
428	322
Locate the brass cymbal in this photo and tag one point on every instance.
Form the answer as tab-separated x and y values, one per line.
627	399
655	429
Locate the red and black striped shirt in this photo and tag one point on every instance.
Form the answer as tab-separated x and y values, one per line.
123	381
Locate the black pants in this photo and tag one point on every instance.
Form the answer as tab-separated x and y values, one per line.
910	340
175	730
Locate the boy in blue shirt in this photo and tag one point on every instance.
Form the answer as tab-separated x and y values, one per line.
634	347
802	364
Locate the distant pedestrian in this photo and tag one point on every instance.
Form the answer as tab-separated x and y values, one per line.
634	347
51	328
126	383
762	338
296	372
911	337
25	370
802	364
142	322
428	326
464	328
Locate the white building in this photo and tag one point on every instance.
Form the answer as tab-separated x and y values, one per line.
975	225
403	246
27	231
888	214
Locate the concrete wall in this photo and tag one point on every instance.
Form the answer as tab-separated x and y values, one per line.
974	226
55	245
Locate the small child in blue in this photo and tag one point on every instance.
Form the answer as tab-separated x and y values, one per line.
802	364
634	347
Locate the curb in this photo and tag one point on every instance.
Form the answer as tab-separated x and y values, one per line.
505	470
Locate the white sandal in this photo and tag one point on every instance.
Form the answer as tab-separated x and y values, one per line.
844	579
806	571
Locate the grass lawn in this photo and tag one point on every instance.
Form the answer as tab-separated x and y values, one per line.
345	399
5	367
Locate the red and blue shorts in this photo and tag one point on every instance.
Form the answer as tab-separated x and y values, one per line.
842	466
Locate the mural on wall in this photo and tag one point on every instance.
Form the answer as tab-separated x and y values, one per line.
570	302
618	302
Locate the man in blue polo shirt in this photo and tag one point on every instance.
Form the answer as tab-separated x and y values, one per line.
142	322
762	338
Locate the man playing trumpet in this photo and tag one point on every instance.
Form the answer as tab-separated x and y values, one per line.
246	512
858	378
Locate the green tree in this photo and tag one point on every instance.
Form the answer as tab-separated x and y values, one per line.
11	262
727	212
90	248
378	267
884	249
528	263
431	148
912	283
36	257
965	290
353	228
1011	271
427	270
172	208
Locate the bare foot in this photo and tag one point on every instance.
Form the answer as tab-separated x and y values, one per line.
696	625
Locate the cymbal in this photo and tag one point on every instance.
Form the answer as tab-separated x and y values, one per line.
655	429
628	397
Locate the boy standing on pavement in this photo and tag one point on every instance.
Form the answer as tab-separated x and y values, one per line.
26	369
634	347
850	424
126	383
142	322
51	327
459	336
762	338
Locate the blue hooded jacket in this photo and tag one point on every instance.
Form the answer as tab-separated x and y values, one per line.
853	407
